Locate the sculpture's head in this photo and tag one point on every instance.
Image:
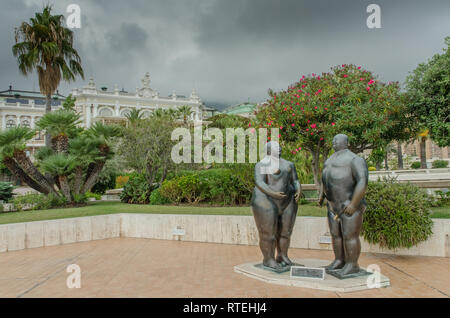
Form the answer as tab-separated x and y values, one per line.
340	142
273	148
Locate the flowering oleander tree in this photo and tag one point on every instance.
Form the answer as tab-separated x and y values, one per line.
347	100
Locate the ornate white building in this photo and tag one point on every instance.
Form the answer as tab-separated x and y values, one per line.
25	108
95	104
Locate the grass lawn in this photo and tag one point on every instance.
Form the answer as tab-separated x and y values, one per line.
101	208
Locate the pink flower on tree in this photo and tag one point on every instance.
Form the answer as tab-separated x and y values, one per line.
333	124
313	126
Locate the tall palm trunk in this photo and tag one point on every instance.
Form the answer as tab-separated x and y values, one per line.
91	179
48	109
29	168
65	188
18	173
399	156
78	180
60	144
423	153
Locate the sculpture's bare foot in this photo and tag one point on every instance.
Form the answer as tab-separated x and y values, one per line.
349	268
272	263
336	264
284	260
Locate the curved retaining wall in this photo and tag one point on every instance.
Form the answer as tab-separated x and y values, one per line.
198	228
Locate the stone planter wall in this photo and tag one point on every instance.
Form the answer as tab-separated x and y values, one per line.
197	228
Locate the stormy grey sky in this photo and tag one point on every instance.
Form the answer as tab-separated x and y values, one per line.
233	50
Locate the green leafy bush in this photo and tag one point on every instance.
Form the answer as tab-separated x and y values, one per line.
105	182
215	186
38	201
136	190
93	195
156	198
415	165
440	164
6	191
171	191
442	198
397	215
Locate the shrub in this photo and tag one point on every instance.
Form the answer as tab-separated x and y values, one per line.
6	191
157	199
397	215
38	201
415	165
93	195
171	191
121	181
104	183
372	169
136	190
218	186
440	164
442	198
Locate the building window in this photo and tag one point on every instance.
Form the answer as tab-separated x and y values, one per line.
39	135
25	123
105	112
10	123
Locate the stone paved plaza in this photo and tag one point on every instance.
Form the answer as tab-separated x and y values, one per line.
129	267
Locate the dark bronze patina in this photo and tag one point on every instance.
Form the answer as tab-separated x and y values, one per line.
274	206
344	183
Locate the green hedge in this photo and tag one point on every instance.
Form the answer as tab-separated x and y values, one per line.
440	164
216	186
397	215
136	190
6	191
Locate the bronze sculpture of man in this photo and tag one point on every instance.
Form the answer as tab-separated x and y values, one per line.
274	206
344	182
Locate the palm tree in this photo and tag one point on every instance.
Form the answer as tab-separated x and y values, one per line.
185	112
85	150
100	135
60	125
134	116
61	165
44	45
12	147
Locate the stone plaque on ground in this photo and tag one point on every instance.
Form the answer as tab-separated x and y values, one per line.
307	272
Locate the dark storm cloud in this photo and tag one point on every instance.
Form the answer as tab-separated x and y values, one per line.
128	36
235	50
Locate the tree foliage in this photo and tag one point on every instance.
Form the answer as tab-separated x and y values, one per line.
71	166
347	100
429	96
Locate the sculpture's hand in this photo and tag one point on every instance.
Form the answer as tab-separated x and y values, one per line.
350	209
297	196
279	195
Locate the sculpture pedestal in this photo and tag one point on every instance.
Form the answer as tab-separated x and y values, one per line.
330	282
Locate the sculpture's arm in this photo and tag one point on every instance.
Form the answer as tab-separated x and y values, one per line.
296	183
263	186
361	175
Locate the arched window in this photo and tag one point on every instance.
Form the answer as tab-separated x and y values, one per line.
125	112
25	123
10	123
146	114
105	112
